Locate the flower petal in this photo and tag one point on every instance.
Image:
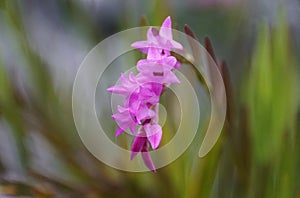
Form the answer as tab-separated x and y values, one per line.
147	158
119	131
157	88
170	77
117	89
137	146
151	36
177	65
144	113
170	61
121	109
153	54
166	29
154	134
176	45
140	44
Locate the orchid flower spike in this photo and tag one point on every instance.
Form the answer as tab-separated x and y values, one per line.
139	112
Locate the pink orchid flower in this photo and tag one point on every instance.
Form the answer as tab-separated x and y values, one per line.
142	92
157	68
162	39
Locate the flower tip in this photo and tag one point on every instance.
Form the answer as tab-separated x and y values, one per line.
119	131
167	23
133	154
166	29
134	45
148	161
111	89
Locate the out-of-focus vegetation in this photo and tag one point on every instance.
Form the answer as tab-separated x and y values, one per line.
41	155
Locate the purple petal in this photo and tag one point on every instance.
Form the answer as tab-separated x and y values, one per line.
123	79
153	54
133	129
114	116
154	134
147	158
131	77
176	45
142	62
167	23
177	65
137	146
157	88
165	29
144	66
121	109
150	36
119	131
145	92
140	44
170	61
144	113
134	102
117	89
170	77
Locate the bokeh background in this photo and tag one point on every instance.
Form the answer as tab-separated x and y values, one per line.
42	44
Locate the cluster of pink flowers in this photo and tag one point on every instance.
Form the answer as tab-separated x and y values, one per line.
142	92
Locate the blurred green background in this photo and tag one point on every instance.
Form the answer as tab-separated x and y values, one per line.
42	44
